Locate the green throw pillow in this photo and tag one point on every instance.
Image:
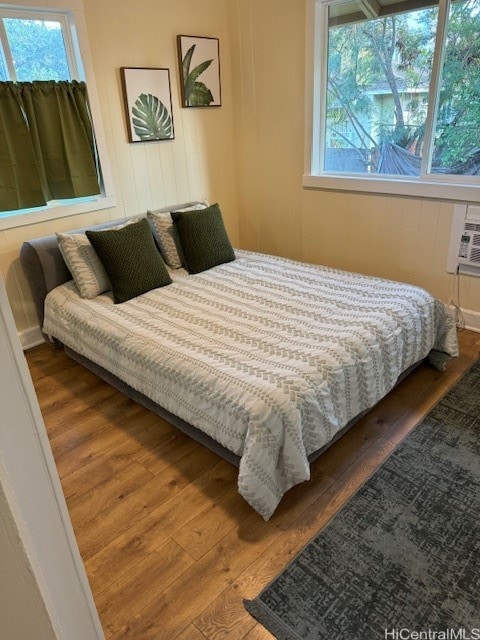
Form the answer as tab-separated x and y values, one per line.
131	259
203	237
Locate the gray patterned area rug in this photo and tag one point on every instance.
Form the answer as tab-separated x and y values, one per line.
404	552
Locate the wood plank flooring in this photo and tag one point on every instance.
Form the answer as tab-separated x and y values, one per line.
170	547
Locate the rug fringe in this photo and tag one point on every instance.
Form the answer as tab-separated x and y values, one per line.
275	625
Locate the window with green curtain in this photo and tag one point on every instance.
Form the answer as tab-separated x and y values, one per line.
47	146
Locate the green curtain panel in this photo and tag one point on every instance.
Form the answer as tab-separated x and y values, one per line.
20	185
53	124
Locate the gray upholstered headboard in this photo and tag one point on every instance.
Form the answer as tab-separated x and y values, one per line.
44	266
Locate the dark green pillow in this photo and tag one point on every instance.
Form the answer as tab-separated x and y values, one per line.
131	260
203	237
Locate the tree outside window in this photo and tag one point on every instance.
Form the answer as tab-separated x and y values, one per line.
38	49
380	90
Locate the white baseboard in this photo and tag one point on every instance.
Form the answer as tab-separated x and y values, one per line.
471	319
30	338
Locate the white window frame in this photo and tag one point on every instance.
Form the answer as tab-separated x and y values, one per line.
71	16
443	187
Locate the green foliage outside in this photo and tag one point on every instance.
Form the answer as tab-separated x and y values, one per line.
3	72
37	49
396	53
459	108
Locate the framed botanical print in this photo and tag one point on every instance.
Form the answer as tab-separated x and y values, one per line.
148	103
199	61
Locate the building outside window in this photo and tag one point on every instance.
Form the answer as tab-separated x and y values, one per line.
397	92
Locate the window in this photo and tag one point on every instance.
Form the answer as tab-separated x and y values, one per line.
42	44
396	97
35	47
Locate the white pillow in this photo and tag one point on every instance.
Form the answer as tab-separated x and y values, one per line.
83	262
166	234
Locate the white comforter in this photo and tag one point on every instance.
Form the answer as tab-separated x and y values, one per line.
269	356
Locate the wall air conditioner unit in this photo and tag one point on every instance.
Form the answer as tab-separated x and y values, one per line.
464	249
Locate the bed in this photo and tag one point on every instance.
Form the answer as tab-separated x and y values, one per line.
264	359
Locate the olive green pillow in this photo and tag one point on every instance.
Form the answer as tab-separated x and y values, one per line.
203	237
131	259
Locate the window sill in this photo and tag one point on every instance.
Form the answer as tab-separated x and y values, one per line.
396	186
10	220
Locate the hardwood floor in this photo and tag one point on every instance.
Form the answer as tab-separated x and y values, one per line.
170	547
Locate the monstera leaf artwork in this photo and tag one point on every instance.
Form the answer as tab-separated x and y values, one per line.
150	118
148	104
200	71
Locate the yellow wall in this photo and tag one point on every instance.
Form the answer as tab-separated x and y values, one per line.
198	164
248	155
396	237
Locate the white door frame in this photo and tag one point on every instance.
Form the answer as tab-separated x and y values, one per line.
45	567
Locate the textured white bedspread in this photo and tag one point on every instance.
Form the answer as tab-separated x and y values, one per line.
268	356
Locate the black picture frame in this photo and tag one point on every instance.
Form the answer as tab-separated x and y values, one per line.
147	96
199	65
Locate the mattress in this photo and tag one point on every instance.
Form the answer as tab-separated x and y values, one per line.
268	356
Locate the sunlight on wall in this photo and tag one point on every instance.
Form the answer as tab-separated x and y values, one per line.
400	238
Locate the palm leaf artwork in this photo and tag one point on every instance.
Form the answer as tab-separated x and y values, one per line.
151	119
197	94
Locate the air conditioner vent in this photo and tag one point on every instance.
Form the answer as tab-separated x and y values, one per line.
475	255
469	226
464	247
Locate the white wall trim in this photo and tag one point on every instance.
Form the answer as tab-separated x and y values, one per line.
55	212
394	185
31	337
465	318
472	320
30	482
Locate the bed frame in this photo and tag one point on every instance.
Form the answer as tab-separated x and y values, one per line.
45	269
